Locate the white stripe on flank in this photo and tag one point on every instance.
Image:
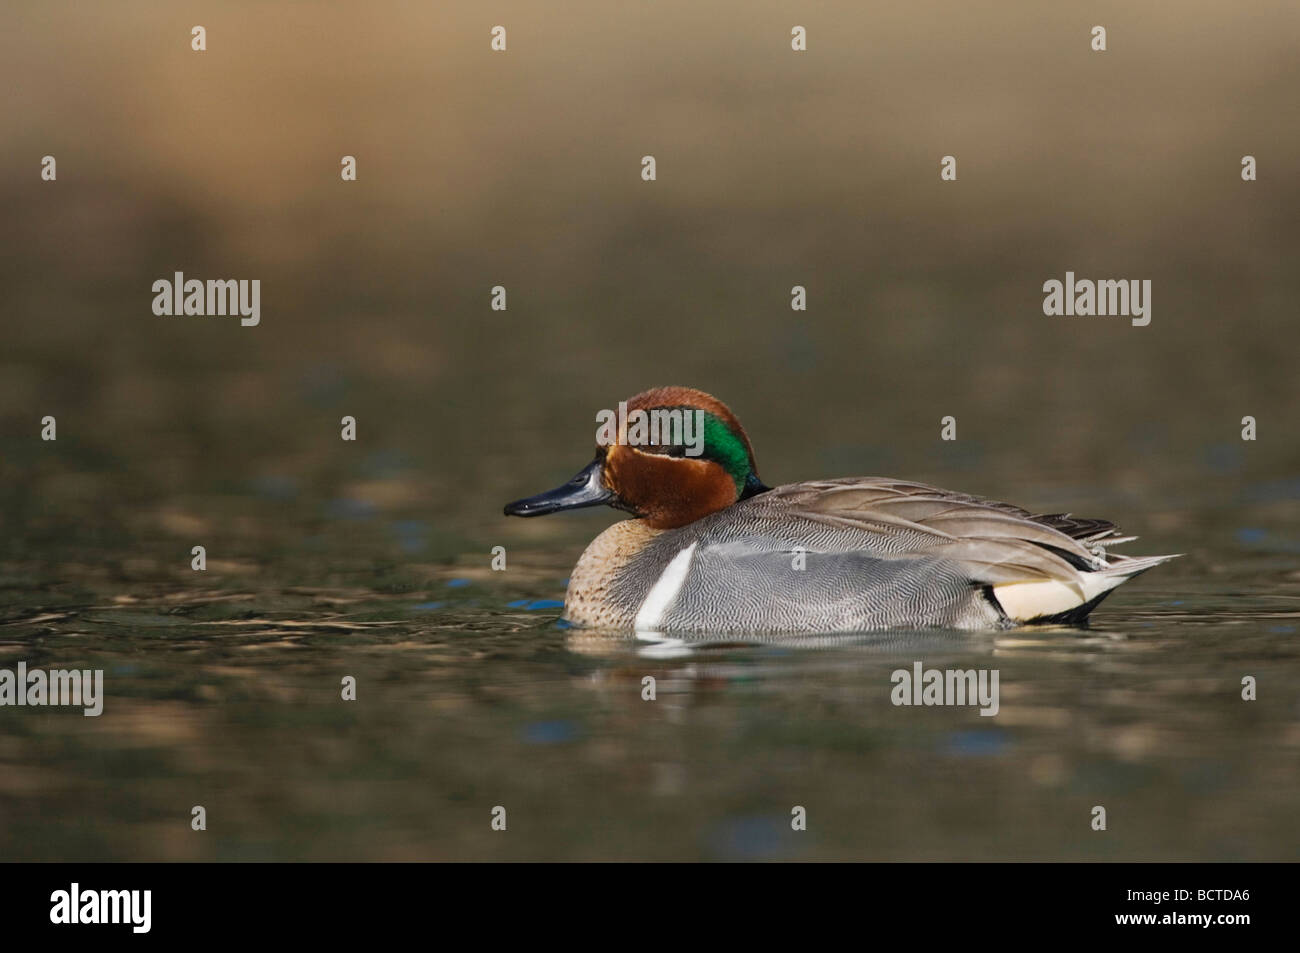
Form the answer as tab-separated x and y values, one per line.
664	591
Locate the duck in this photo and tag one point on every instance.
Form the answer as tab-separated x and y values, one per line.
709	548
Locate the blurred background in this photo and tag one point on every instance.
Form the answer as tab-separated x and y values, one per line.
522	169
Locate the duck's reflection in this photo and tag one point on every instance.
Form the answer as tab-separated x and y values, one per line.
646	643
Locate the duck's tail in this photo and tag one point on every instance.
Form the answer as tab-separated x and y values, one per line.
1058	602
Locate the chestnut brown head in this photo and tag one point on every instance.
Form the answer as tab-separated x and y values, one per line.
669	456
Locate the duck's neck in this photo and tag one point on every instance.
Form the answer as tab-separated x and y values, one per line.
589	600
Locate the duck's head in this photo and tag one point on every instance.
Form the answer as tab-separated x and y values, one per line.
669	456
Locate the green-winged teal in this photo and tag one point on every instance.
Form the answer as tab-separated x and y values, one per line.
711	549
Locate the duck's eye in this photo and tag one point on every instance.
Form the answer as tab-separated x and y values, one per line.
665	450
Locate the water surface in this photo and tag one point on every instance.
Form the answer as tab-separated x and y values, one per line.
223	689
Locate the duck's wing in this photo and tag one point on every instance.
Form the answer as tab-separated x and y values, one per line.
1033	562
